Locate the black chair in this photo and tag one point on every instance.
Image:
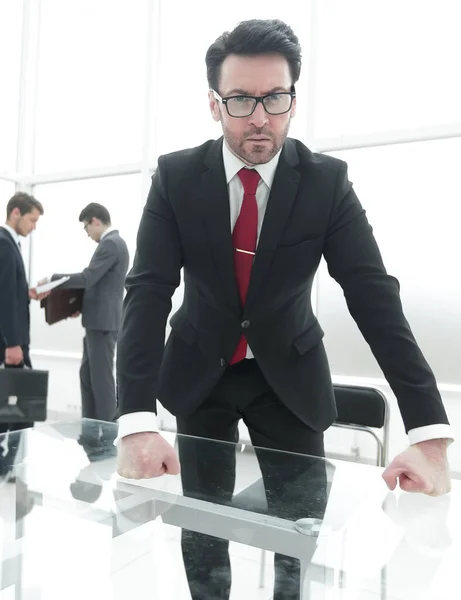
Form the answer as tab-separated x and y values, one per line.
366	409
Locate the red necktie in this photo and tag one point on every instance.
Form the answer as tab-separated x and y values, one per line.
244	238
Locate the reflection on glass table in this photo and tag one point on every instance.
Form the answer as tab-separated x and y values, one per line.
71	527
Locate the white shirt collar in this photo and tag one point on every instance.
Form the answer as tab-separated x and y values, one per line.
13	233
108	230
233	164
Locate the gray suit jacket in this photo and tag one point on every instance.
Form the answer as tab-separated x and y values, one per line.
103	281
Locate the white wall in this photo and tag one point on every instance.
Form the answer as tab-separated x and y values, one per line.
411	193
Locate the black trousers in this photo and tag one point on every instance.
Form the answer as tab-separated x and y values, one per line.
8	455
295	488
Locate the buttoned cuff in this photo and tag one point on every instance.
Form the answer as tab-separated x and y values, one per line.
430	432
136	422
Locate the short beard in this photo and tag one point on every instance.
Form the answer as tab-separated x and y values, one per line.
260	154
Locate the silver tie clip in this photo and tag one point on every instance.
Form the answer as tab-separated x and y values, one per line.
244	251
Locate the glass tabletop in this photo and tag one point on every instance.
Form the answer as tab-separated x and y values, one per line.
71	527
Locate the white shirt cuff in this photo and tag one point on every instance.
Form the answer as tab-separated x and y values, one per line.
430	432
136	422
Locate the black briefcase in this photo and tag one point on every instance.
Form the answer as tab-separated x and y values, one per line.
23	395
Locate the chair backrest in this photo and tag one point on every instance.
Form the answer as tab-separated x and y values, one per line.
364	408
359	405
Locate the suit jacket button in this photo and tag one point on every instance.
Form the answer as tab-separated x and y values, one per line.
245	324
223	362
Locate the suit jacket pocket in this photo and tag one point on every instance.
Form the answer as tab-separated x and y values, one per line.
309	338
181	326
300	245
297	261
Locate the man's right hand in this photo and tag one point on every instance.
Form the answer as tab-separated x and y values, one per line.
14	355
145	455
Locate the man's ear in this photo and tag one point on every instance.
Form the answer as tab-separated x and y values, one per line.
214	107
293	109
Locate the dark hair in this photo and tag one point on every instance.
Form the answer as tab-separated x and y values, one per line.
251	38
95	211
24	202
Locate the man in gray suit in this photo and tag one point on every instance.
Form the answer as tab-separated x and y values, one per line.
103	281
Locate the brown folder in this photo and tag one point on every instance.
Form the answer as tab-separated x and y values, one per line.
61	304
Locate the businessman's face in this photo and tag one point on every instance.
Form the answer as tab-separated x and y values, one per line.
25	224
94	229
256	138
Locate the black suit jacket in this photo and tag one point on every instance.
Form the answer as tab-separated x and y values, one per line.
312	211
14	295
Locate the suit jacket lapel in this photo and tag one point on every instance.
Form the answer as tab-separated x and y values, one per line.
215	203
281	198
15	245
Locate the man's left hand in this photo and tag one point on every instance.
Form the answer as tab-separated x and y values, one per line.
34	296
421	468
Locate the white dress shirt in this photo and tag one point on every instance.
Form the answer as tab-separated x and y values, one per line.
13	234
104	233
232	166
147	421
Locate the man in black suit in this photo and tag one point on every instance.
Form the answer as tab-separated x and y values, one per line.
22	214
248	218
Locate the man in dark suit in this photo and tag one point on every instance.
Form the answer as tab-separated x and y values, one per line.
248	218
22	214
103	281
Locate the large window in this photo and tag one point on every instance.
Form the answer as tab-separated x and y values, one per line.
6	191
411	194
10	69
387	66
91	81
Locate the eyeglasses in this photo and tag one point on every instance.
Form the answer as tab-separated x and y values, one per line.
244	106
85	227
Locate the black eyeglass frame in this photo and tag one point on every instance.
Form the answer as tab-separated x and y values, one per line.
85	227
257	99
